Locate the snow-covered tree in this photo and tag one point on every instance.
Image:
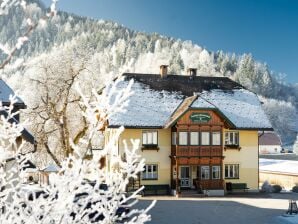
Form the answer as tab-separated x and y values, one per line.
83	190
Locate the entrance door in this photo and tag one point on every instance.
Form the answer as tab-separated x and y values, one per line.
184	176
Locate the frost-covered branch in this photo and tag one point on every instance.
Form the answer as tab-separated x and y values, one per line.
5	5
84	190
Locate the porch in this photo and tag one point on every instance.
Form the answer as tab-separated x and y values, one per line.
197	178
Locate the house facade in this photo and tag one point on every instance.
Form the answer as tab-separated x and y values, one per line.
193	131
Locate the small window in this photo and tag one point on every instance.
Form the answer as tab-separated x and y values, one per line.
150	172
205	173
216	138
232	138
174	138
149	137
183	138
215	172
232	171
205	138
194	138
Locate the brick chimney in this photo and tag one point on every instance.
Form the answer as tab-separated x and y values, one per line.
192	72
163	71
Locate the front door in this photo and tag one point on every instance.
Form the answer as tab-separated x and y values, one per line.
184	176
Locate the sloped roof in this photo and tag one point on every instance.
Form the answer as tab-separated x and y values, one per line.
51	168
183	107
147	107
269	138
5	92
25	133
183	84
157	101
240	106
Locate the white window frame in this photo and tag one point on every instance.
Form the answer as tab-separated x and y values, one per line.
194	138
149	173
150	137
232	138
232	171
205	175
215	170
180	138
219	140
202	138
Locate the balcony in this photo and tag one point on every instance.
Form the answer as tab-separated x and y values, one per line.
198	151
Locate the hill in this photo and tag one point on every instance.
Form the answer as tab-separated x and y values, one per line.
111	49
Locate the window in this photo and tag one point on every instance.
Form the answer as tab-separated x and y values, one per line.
149	137
194	138
232	138
205	138
216	138
232	171
205	172
174	138
215	172
183	138
150	172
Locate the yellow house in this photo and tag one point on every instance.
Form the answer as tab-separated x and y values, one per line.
195	132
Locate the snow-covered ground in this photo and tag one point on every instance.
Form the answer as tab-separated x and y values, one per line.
279	166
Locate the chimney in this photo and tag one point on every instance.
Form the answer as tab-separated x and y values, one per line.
192	72
163	71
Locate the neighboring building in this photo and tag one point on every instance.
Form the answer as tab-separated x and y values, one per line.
194	131
44	174
269	143
281	172
30	172
5	93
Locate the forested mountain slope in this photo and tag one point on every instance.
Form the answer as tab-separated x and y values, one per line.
109	49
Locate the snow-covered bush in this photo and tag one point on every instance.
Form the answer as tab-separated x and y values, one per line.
276	188
266	187
83	190
295	189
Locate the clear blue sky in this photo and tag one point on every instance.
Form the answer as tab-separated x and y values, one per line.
266	28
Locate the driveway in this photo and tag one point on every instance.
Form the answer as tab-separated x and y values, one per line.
258	209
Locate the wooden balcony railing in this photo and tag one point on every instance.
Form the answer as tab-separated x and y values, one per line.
198	151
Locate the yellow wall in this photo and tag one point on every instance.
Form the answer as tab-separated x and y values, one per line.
161	157
247	158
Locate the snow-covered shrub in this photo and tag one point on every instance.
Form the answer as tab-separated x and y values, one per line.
266	187
83	190
276	188
295	189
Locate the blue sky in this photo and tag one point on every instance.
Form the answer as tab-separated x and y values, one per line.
266	28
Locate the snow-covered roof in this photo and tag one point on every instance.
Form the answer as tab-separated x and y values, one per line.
147	107
155	101
5	92
279	166
240	106
51	168
202	103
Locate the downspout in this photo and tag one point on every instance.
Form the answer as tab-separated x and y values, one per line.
259	156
